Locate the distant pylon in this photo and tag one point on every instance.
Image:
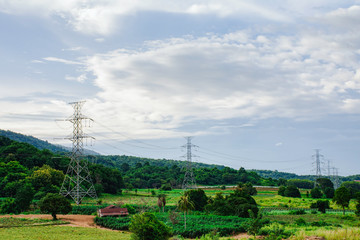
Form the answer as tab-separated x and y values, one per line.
77	182
189	178
318	164
336	178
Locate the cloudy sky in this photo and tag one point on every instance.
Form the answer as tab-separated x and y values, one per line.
259	84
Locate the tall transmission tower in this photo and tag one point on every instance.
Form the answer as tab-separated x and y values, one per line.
318	157
77	182
336	178
189	178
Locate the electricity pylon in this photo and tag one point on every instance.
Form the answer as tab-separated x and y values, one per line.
77	182
336	178
189	178
318	164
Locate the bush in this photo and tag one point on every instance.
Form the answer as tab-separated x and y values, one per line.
120	223
297	212
300	222
275	231
8	206
146	226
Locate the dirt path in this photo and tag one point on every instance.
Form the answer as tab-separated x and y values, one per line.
75	220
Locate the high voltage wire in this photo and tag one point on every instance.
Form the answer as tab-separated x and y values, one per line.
136	140
232	157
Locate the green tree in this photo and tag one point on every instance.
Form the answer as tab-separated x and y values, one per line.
316	193
342	197
161	202
255	224
281	190
357	212
329	192
24	196
54	203
185	205
198	197
292	191
321	205
324	183
145	226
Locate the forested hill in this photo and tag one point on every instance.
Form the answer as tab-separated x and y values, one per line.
117	161
38	143
277	175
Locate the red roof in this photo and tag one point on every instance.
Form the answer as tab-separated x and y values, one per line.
113	211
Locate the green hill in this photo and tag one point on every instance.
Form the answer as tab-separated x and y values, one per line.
39	144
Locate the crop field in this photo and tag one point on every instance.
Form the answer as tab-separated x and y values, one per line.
297	225
61	233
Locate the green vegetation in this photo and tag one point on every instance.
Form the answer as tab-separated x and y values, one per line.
61	233
22	222
145	226
54	203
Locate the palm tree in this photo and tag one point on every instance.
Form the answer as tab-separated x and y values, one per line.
185	205
161	201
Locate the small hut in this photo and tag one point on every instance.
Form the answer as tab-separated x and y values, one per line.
113	211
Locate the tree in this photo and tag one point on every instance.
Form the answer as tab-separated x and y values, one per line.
316	193
357	212
161	202
237	203
145	226
321	205
292	191
248	188
24	196
342	197
329	192
281	190
185	205
255	224
198	197
54	203
324	183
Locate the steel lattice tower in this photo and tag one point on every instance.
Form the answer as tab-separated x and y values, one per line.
318	164
189	178
77	182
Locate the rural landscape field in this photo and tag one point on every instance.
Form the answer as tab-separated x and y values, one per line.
179	119
244	204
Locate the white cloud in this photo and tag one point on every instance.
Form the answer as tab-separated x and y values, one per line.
60	60
237	75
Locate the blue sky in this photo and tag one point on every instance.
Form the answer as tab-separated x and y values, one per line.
259	84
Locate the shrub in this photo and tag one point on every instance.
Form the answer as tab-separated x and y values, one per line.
275	231
145	226
300	222
8	206
297	212
281	190
121	223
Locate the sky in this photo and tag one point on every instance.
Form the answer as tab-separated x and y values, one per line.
257	84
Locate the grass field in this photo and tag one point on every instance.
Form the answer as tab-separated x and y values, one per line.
61	233
330	225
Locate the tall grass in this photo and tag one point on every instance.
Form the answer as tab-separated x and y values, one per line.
340	233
